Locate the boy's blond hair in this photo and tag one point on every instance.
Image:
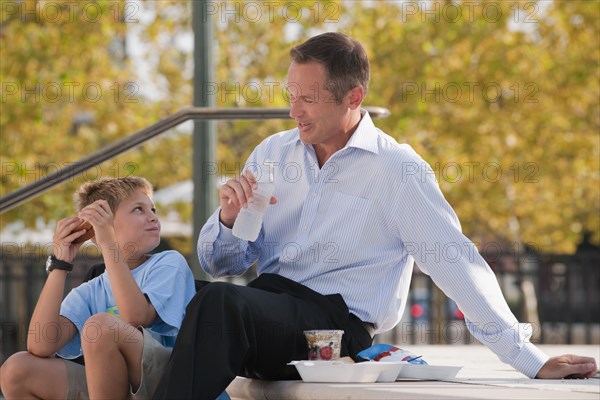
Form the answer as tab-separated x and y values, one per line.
113	190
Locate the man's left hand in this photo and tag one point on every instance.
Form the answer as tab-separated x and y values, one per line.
568	366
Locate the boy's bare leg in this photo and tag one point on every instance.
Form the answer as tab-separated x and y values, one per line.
25	376
113	356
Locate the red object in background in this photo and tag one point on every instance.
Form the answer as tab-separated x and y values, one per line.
417	311
459	314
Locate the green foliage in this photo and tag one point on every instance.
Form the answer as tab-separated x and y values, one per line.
502	100
507	114
69	88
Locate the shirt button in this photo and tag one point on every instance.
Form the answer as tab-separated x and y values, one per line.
313	194
304	227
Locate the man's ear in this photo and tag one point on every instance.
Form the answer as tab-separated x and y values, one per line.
355	97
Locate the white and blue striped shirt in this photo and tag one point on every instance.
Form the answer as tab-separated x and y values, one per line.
356	226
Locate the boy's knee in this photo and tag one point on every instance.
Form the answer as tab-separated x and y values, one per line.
102	319
14	371
99	331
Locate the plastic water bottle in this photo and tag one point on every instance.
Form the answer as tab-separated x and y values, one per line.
249	221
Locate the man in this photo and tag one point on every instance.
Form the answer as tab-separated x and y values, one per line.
352	211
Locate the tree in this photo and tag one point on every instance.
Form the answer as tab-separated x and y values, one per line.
502	102
500	98
69	87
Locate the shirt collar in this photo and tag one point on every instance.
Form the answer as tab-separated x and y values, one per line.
365	136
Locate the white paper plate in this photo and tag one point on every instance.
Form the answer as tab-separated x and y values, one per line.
339	372
429	372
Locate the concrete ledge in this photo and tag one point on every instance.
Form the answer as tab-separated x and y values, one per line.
243	388
482	377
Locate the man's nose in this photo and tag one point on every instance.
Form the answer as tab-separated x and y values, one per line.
295	109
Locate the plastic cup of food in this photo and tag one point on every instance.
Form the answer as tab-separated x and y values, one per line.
324	344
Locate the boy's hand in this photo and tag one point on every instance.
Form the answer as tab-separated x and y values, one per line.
64	248
101	217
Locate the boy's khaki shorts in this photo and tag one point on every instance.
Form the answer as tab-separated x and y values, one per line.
154	360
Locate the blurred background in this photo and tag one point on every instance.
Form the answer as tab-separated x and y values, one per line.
501	98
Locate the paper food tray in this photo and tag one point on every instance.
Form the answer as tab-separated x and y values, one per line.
340	372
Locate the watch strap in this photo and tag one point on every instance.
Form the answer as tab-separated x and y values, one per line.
54	263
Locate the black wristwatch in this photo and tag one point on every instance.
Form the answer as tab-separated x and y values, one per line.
54	263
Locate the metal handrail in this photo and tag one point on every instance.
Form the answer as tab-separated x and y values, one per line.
40	186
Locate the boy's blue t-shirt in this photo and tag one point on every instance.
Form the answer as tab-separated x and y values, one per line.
166	280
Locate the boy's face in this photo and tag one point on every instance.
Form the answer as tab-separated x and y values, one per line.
137	228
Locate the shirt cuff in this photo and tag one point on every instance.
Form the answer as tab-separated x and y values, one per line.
226	234
530	360
215	230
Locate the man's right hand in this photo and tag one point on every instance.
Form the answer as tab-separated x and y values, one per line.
235	194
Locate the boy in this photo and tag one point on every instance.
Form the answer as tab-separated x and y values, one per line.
124	321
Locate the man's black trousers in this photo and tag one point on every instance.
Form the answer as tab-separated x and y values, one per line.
252	331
